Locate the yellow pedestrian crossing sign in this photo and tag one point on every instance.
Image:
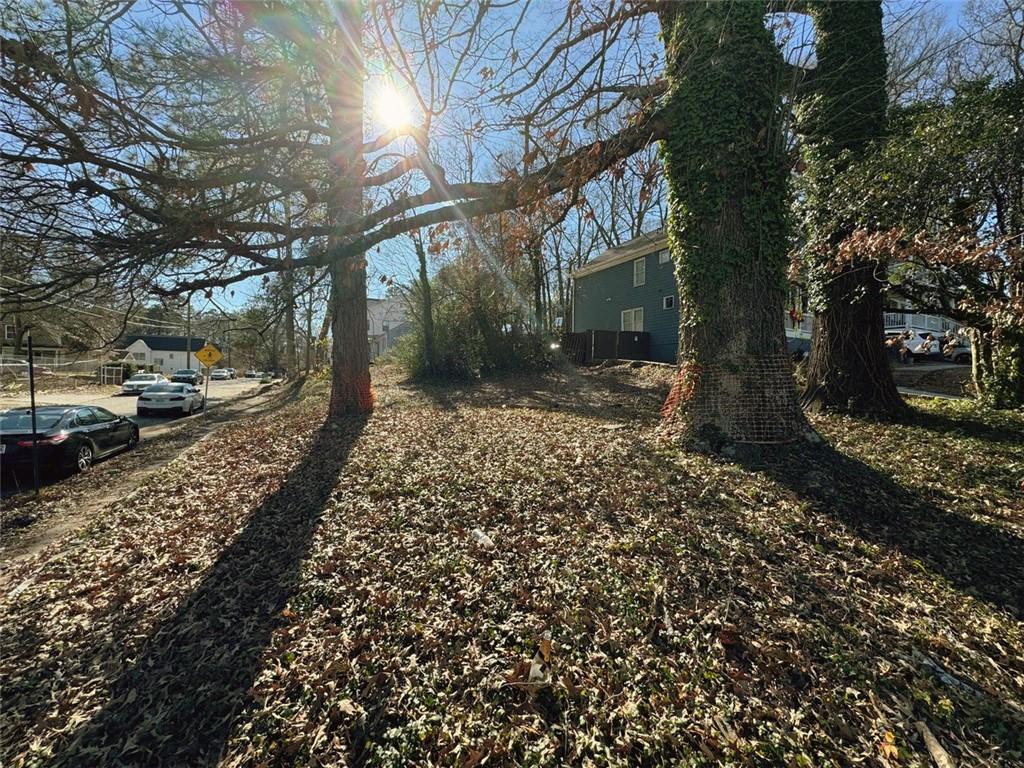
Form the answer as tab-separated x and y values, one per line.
208	355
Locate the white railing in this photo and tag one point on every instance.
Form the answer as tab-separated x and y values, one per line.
899	321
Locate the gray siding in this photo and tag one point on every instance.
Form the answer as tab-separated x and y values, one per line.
599	299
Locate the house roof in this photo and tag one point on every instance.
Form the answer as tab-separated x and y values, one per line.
160	343
649	242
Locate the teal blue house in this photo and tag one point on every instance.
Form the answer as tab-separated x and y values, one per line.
632	287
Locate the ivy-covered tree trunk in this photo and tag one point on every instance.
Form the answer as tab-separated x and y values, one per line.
350	352
848	368
727	177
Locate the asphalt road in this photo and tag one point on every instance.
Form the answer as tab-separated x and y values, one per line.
220	392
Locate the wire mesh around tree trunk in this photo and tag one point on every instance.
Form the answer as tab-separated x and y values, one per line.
751	399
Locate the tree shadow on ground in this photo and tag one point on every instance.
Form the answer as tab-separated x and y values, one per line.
980	559
175	704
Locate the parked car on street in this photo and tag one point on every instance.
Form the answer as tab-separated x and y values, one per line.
170	398
232	372
958	352
68	436
220	374
187	376
925	346
140	382
252	374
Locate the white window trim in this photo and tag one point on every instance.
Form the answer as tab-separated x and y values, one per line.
664	256
642	263
668	302
632	313
9	332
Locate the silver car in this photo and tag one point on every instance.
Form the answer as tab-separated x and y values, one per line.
140	382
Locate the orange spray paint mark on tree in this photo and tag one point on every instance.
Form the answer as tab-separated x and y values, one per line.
682	389
353	394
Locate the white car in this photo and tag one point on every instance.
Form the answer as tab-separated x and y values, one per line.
220	374
170	398
140	382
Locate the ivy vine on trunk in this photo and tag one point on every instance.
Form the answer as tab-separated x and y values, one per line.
727	178
839	123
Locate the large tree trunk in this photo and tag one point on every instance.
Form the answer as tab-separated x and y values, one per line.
350	353
848	370
727	178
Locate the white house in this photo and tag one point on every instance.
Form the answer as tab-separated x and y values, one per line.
164	353
387	319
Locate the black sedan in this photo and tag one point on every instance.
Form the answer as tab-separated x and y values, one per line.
188	376
68	436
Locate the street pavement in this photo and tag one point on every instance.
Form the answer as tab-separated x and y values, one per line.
220	392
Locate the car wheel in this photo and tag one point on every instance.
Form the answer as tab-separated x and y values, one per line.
962	359
133	439
84	457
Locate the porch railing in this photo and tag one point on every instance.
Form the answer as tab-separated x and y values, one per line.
898	321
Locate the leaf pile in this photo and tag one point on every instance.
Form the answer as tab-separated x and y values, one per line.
524	573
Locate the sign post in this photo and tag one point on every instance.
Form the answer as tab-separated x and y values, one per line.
208	355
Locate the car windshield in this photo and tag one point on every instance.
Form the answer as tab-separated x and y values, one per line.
166	388
184	372
21	420
143	377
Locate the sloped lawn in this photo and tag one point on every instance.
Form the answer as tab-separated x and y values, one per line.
523	573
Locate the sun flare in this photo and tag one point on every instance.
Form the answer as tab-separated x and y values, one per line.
392	108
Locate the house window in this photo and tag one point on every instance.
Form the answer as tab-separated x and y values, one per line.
667	302
639	272
8	333
664	257
633	319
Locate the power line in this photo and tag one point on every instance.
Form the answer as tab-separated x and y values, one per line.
74	308
91	306
85	313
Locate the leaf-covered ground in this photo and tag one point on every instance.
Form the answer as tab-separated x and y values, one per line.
524	573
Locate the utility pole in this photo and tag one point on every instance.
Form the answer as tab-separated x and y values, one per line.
32	409
188	333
